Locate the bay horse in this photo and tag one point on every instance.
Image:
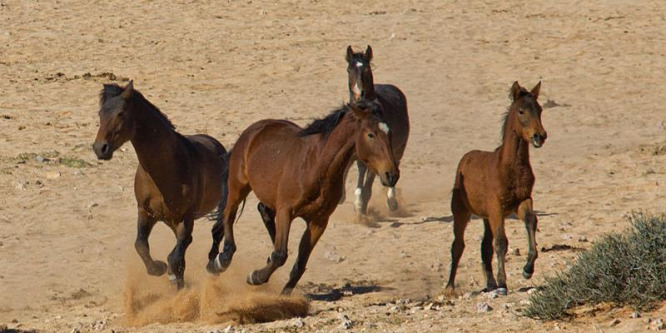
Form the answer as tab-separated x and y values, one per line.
179	178
296	172
393	105
492	185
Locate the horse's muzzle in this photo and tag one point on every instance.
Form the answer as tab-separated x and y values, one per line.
103	150
538	140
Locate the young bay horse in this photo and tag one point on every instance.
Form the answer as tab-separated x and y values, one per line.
394	111
179	178
296	172
492	185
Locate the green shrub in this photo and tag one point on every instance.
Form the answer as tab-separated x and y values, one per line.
623	269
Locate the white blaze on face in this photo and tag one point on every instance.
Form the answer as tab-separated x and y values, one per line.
384	127
356	90
359	64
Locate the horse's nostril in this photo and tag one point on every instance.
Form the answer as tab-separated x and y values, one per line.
105	148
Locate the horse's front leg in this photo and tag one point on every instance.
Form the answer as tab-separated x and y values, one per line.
526	213
145	225
310	237
176	258
279	255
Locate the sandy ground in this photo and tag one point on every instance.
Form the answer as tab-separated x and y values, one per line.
67	260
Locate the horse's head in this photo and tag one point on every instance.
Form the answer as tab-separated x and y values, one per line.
373	142
116	121
361	83
527	115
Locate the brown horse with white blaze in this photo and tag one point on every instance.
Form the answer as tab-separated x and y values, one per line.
392	104
492	185
179	178
296	172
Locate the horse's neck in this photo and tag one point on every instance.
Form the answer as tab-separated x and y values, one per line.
337	151
514	152
155	141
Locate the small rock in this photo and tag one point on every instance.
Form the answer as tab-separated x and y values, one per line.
658	325
298	322
467	295
567	237
483	307
75	330
92	204
516	252
41	159
334	257
53	174
614	322
441	298
228	329
635	315
77	173
490	294
19	185
346	322
525	302
582	239
531	291
99	325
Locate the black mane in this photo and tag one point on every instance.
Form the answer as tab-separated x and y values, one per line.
112	90
325	125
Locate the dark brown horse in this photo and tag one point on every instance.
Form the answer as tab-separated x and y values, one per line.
178	178
492	185
297	172
393	106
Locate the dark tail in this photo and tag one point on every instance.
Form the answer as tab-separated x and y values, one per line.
214	216
225	189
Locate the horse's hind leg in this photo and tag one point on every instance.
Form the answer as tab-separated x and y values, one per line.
145	225
461	216
310	237
222	260
279	255
217	233
176	258
268	216
526	214
487	252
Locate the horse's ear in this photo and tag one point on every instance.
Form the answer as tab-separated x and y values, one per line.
368	53
535	90
350	53
127	91
515	91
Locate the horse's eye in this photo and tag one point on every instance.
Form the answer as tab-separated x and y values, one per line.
521	111
371	135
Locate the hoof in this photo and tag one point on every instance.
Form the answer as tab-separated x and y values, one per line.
450	292
253	279
501	291
527	275
158	268
392	204
218	265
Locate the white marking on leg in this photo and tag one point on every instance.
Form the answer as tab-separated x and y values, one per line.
384	127
391	193
358	203
172	278
218	265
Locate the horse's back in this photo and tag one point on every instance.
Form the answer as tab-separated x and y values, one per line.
260	155
394	105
